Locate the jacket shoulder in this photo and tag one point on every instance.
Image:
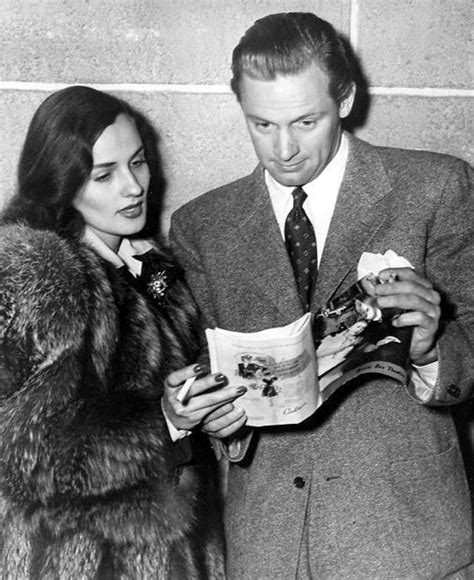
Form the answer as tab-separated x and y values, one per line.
225	198
429	165
414	174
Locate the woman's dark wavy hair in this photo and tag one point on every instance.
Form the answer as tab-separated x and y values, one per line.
56	160
288	43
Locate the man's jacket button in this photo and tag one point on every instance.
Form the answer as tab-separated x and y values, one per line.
299	482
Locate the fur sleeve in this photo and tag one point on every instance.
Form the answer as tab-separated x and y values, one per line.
66	431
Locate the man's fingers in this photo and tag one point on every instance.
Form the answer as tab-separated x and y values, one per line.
393	275
428	304
409	291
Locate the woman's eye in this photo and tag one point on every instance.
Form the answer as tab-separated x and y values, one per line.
102	177
139	162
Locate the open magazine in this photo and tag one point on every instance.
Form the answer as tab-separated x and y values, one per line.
292	370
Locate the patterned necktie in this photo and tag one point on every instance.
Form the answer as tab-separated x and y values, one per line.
301	245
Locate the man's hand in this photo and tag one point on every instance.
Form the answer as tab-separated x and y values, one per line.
405	289
199	403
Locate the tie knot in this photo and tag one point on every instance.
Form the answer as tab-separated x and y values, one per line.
299	196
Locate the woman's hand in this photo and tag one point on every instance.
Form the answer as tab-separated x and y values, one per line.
207	393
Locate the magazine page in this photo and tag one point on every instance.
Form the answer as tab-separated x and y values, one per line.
278	367
354	337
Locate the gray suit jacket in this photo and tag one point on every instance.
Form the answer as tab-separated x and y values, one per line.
373	484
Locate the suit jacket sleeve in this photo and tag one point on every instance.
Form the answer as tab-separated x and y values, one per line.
449	265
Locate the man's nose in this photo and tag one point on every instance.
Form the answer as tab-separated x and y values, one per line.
286	145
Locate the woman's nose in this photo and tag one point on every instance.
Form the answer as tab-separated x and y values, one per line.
131	185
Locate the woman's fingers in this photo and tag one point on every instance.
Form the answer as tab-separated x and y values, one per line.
191	394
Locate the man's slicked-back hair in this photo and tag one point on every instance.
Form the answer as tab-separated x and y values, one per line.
288	43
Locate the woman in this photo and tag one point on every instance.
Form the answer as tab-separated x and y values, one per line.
92	320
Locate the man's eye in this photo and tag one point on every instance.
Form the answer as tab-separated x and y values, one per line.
307	123
261	126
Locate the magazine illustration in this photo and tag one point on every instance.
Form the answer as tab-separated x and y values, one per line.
278	367
354	337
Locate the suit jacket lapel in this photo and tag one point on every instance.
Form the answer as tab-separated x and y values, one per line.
258	241
358	216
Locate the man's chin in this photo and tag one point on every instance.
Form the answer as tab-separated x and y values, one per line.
290	179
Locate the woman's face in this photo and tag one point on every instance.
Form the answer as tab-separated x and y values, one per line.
113	200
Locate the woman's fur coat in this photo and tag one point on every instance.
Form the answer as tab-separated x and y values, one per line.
90	483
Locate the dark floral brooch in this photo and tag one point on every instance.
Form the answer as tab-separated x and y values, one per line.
158	275
158	284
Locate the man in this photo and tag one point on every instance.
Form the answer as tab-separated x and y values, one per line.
372	485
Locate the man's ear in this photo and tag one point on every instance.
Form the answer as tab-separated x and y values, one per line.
346	106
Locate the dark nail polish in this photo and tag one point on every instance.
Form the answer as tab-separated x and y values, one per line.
241	390
220	378
201	370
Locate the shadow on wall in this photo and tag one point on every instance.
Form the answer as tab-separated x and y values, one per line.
360	109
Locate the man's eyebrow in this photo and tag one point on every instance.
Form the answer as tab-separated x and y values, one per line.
257	118
312	115
307	116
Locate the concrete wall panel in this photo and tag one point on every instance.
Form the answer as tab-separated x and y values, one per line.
416	43
139	41
438	124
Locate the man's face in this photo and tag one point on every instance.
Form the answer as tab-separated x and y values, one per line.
294	123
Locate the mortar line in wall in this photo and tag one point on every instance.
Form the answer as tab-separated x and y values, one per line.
129	87
222	89
421	91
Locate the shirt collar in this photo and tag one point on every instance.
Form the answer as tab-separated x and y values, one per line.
126	252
